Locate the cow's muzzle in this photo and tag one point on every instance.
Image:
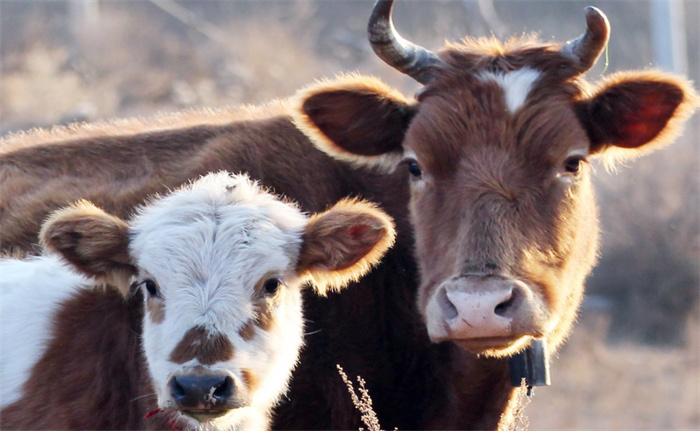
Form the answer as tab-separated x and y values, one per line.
485	313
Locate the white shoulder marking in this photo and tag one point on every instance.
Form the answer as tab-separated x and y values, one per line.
31	292
516	85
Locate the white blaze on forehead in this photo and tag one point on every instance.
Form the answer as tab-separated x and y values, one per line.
516	85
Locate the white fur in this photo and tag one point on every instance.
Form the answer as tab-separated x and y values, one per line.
516	85
31	292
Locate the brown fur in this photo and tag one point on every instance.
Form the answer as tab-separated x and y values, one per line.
156	310
199	344
490	197
247	331
249	379
264	316
105	329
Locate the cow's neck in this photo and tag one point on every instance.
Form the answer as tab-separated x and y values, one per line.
484	390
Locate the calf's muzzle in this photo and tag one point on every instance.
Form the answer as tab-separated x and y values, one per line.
209	394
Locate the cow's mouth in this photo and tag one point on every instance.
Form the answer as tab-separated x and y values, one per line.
493	346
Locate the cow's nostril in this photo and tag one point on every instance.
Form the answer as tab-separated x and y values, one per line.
503	308
449	311
224	390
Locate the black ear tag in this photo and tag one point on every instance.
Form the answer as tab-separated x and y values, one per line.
532	364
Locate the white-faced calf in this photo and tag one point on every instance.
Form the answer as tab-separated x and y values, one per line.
200	323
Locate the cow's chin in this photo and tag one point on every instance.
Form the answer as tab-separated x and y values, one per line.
202	416
493	347
193	420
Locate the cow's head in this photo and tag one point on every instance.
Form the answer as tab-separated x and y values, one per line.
497	146
220	264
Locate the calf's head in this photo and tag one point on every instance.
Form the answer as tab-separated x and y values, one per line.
221	264
496	146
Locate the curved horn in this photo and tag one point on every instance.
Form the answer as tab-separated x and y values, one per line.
586	49
396	51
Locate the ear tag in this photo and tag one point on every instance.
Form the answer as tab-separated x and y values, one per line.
532	364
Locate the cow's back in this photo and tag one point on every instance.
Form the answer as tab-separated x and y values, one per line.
119	172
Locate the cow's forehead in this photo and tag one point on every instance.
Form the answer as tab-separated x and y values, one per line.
526	112
216	230
215	196
223	248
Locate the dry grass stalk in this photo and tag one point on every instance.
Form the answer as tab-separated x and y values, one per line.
520	421
363	403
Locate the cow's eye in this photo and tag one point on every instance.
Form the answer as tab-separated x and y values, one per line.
414	169
574	164
272	285
151	287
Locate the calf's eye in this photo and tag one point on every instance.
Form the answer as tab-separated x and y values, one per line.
151	287
272	285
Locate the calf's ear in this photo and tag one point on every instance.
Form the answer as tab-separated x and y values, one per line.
355	118
343	243
94	242
633	113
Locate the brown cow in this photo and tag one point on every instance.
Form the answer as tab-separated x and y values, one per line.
497	147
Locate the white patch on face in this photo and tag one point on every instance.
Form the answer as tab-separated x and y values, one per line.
207	246
31	293
516	85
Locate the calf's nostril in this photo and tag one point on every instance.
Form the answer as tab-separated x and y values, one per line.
176	389
224	389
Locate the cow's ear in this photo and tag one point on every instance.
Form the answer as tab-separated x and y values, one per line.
343	243
355	118
94	242
633	113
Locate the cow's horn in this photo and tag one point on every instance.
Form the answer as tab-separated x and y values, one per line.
396	51
586	49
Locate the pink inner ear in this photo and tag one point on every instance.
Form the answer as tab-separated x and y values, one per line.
640	111
646	123
358	230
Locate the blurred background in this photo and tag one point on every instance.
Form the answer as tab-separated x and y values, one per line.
633	360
